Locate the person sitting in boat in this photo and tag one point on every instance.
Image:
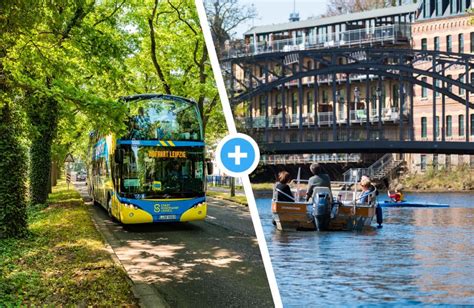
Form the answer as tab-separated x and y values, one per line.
372	186
319	179
397	195
282	188
367	189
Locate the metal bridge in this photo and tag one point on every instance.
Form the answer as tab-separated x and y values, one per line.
352	129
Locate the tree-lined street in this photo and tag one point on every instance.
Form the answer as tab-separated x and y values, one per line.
215	262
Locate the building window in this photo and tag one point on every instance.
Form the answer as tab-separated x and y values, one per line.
449	85
424	90
278	102
461	125
438	84
437	126
294	102
424	44
262	106
449	43
472	124
423	162
395	95
461	79
424	127
309	101
325	97
436	43
449	126
461	43
472	42
439	7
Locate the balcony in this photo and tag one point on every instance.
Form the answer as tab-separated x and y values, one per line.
358	116
388	34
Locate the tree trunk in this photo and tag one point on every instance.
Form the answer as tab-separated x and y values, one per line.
232	187
13	218
39	170
43	116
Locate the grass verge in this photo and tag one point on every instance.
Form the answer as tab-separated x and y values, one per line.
63	261
263	186
226	196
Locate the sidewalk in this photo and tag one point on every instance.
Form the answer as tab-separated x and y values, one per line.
225	190
146	295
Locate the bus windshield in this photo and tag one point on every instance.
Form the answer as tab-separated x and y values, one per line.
156	172
164	118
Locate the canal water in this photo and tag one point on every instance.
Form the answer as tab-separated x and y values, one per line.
420	256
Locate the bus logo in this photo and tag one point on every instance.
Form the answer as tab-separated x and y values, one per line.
157	208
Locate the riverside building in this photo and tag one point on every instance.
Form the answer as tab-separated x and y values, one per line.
294	110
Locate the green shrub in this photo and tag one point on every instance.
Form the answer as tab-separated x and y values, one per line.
13	220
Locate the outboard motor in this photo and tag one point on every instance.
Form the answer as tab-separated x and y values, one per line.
379	215
322	211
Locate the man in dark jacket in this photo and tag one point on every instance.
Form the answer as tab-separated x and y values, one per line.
318	179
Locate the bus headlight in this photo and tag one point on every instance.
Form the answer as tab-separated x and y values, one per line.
198	206
130	206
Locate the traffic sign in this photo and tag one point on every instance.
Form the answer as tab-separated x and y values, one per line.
69	158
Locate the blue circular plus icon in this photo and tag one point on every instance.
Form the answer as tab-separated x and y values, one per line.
237	154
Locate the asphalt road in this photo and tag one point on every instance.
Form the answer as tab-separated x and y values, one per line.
212	263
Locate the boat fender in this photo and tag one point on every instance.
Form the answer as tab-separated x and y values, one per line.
379	214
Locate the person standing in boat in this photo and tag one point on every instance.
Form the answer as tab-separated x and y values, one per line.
283	189
318	179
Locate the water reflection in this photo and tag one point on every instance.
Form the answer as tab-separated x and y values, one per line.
420	256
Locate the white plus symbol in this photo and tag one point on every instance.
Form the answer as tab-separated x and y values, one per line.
237	155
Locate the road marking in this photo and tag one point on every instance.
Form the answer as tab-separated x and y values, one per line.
211	217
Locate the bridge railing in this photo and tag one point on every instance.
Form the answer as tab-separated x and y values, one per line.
375	35
309	158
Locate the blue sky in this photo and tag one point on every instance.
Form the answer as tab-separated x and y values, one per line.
278	11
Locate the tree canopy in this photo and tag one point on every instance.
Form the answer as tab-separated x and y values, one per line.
63	66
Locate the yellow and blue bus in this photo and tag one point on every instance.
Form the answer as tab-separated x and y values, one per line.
155	172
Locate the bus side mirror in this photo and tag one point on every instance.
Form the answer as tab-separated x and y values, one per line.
210	167
118	156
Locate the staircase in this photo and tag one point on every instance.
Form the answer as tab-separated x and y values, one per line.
377	172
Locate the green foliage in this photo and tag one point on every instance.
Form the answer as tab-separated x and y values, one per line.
458	178
67	63
43	115
63	262
12	180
